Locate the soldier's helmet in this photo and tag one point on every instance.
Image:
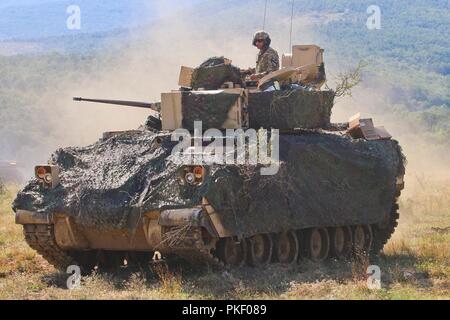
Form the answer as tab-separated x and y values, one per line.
262	35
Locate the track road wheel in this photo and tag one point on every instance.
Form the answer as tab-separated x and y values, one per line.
317	244
232	252
341	242
286	248
260	249
369	238
362	239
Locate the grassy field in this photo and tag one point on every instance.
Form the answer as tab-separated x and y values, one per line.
415	265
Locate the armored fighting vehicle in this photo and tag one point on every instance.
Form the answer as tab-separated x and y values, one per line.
226	171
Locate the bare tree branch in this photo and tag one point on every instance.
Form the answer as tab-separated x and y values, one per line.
346	81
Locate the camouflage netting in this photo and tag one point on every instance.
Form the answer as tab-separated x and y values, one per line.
211	109
213	73
102	184
290	109
324	179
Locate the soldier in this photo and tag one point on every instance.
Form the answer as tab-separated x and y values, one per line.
268	60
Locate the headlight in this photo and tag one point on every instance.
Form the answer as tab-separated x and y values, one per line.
48	178
40	172
198	172
48	175
193	175
190	178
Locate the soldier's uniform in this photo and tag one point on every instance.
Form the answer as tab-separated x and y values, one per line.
268	59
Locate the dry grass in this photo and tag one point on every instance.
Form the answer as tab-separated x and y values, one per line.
415	265
15	255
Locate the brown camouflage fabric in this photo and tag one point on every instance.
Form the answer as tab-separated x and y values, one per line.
267	61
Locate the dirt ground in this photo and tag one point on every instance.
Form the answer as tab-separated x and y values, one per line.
414	265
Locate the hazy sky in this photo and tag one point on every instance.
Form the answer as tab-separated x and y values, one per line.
34	19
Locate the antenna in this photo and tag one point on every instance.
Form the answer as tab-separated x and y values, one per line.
265	15
292	22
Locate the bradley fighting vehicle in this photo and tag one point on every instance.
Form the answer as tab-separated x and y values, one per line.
321	190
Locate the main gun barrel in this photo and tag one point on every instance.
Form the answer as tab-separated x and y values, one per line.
136	104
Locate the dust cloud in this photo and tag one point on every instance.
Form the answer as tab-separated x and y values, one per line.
149	63
426	158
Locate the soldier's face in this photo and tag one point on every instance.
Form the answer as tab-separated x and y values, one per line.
260	44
